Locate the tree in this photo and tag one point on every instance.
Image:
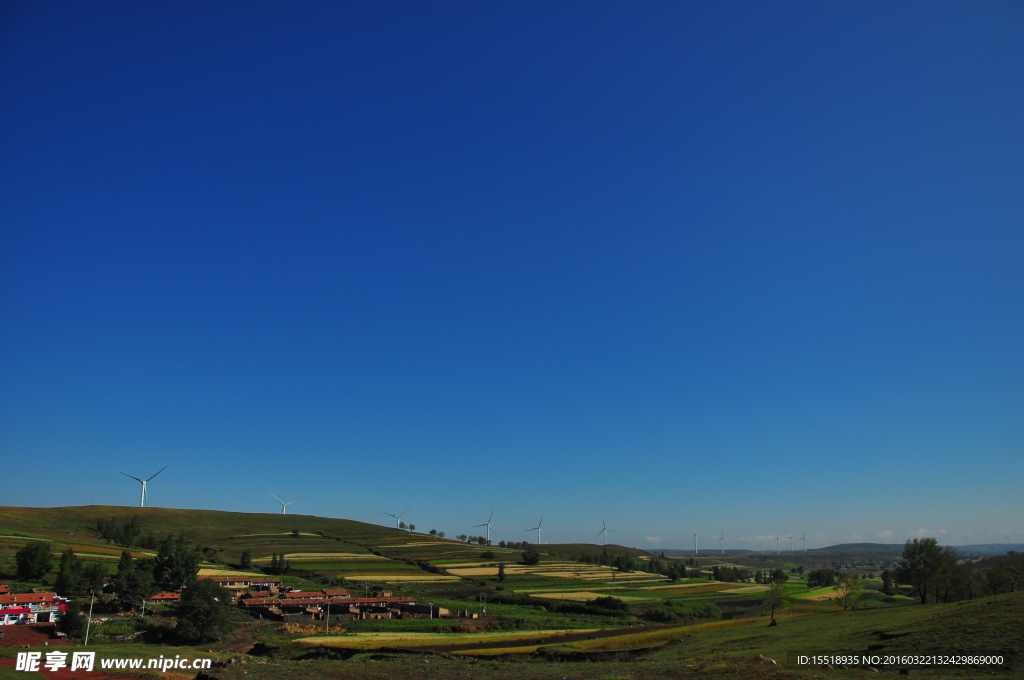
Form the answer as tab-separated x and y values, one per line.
440	534
501	571
176	563
887	586
71	621
923	560
69	574
412	527
134	581
34	561
821	578
531	557
93	574
278	565
203	612
246	561
433	532
775	596
846	590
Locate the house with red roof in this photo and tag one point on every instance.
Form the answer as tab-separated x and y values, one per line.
30	608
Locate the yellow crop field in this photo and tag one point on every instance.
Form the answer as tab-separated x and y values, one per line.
392	577
581	596
487	571
375	640
327	556
226	572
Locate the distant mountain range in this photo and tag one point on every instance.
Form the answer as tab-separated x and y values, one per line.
978	550
965	550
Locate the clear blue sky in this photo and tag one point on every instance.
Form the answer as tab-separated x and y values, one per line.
687	266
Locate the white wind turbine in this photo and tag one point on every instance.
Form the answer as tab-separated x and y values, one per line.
790	537
488	525
538	529
721	537
398	517
694	542
778	551
142	502
803	539
284	506
604	530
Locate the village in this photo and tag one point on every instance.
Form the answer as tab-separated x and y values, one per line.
264	598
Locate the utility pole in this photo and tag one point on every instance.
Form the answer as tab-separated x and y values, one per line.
328	614
88	625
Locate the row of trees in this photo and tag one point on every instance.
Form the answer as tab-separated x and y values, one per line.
118	531
278	565
479	540
938	572
731	574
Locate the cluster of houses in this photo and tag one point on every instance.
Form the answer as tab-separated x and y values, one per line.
279	602
267	597
22	608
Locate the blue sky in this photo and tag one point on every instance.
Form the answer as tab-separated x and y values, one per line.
686	266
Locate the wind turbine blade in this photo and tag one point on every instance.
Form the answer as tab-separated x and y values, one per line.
405	511
490	517
293	502
128	475
390	515
161	470
276	498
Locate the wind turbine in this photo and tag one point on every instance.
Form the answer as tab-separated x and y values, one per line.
398	517
777	550
721	537
790	537
488	525
604	530
694	542
142	503
803	539
538	529
284	505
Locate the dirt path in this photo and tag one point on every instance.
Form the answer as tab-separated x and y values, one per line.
241	639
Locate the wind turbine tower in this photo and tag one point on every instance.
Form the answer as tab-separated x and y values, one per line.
721	537
694	542
398	517
778	551
803	539
604	530
790	537
488	525
284	506
538	529
142	502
